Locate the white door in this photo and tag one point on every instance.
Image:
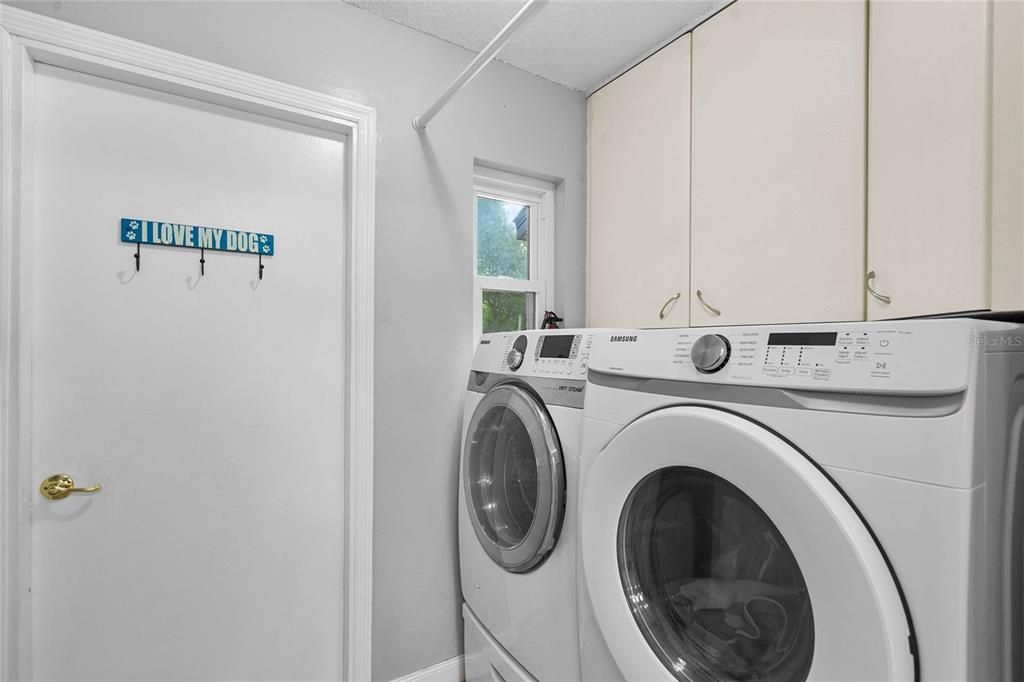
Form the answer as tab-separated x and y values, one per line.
638	142
712	550
778	163
209	408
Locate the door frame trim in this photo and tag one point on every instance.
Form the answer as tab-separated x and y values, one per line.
26	38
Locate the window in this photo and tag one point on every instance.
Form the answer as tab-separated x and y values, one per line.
512	252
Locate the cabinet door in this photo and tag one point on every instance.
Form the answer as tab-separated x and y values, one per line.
928	157
639	187
1007	156
778	163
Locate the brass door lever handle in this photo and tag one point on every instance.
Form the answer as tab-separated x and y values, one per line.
59	486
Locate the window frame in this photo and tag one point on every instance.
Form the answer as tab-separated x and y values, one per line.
539	195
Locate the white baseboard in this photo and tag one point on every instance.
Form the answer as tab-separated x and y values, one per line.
446	671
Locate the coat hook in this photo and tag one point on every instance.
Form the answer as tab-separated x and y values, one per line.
202	262
138	256
261	267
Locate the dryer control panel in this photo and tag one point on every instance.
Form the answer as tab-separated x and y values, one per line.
912	356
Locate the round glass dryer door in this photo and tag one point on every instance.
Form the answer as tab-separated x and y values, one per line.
514	478
720	586
714	550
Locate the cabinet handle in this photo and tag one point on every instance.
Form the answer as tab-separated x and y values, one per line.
668	305
711	309
871	290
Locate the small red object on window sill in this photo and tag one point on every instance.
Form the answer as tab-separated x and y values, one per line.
551	320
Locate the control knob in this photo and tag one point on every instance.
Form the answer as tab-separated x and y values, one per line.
710	353
517	353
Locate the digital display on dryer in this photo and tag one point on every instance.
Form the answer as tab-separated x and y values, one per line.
802	339
560	346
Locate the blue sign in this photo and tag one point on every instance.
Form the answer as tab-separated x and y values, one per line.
138	231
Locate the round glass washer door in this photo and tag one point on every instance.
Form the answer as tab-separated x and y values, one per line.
514	478
714	550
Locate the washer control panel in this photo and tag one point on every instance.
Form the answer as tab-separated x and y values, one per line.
539	353
913	356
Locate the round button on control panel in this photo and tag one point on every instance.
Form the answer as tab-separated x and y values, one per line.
710	353
518	352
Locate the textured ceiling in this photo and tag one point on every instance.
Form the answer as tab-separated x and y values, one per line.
578	43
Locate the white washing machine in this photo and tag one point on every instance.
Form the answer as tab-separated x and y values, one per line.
517	504
808	502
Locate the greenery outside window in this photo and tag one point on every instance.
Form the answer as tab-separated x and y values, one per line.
512	252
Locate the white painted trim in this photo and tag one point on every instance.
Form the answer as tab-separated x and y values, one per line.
26	37
587	269
513	183
452	670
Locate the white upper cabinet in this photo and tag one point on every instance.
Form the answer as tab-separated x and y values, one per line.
639	194
1008	156
928	157
778	163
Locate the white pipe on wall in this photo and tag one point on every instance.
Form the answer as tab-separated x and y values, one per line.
479	62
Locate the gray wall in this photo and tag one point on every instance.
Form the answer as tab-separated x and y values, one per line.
424	251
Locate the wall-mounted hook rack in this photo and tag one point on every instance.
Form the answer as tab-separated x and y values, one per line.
157	233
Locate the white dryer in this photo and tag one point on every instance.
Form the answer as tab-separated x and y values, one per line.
517	504
817	502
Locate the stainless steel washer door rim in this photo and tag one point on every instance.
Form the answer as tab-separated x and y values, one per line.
514	478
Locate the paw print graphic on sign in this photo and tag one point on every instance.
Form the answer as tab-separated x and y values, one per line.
132	227
266	249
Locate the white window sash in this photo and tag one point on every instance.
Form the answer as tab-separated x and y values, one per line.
482	284
509	284
539	196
